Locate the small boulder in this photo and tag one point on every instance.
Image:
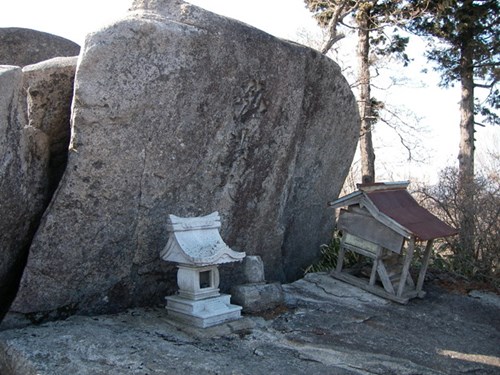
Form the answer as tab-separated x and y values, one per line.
256	295
253	269
255	298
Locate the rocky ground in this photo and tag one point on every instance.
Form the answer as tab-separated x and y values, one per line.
325	327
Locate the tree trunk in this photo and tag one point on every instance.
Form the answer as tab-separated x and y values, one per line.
466	149
333	36
364	103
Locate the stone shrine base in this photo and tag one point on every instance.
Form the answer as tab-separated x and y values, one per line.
203	313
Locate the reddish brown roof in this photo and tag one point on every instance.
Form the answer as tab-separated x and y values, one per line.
400	206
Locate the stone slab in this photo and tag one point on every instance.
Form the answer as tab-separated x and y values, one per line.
257	297
203	313
329	328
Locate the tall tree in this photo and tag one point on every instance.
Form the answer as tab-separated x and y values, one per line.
466	50
369	18
365	24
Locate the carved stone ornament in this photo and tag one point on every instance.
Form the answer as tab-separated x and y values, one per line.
196	241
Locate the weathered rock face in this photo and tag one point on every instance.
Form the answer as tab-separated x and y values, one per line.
49	91
34	137
181	111
23	47
23	161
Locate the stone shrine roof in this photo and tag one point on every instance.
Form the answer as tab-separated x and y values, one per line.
196	241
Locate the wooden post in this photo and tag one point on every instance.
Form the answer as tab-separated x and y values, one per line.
340	258
373	275
384	277
425	264
406	266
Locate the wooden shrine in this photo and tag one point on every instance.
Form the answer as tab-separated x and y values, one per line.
383	222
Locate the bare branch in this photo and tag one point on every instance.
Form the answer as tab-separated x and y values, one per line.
330	42
486	85
338	16
401	139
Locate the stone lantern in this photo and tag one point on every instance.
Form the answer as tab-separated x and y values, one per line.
197	247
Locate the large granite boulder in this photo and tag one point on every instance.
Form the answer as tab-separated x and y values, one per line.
181	111
34	136
23	47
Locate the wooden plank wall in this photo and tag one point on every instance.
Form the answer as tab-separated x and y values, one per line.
360	223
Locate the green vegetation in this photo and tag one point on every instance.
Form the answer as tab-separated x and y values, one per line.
329	254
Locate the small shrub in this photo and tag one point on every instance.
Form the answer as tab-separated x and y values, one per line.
329	254
479	261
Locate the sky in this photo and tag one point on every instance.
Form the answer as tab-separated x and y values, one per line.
436	109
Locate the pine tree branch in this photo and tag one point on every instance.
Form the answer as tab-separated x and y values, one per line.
330	42
485	85
495	63
333	36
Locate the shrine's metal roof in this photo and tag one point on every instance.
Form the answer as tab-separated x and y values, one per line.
394	202
400	206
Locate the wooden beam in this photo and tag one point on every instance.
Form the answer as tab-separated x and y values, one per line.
346	200
373	275
359	250
425	264
353	280
406	266
384	277
340	258
383	186
410	282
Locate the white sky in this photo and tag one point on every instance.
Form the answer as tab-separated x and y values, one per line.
438	109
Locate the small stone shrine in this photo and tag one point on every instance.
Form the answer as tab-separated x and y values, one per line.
196	245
